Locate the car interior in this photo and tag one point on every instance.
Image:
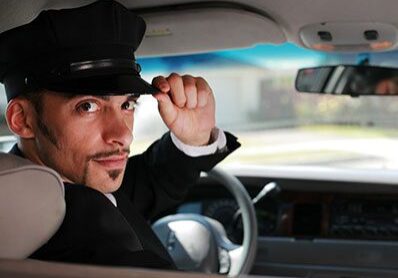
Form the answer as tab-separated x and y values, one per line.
319	202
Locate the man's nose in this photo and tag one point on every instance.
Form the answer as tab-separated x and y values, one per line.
118	129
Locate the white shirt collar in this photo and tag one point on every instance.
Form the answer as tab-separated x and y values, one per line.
111	198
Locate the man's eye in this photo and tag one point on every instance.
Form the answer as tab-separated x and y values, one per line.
88	106
129	105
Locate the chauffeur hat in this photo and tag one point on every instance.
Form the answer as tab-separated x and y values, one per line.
85	50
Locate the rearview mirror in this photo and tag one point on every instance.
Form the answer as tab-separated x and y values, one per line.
348	80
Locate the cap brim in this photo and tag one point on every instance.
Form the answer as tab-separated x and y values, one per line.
116	84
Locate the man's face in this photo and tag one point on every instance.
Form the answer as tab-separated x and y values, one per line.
85	138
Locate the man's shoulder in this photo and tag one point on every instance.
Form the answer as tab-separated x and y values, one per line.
85	198
90	211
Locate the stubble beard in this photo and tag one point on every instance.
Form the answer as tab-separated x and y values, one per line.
112	174
52	138
47	132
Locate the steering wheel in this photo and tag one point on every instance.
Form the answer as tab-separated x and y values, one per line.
199	243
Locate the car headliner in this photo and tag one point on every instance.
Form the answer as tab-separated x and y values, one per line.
288	15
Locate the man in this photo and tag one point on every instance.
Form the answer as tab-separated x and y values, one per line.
387	86
72	83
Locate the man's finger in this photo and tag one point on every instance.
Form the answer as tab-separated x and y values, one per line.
203	91
177	90
167	109
190	91
161	83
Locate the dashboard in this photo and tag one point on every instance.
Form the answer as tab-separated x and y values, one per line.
313	225
309	215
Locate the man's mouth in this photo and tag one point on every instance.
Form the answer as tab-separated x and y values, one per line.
112	162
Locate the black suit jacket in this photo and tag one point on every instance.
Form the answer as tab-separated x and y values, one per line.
94	231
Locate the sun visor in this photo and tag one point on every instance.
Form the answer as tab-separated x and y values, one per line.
203	30
350	36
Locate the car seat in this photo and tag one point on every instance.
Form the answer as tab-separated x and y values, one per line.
32	206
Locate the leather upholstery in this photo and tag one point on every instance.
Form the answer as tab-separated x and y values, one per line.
32	206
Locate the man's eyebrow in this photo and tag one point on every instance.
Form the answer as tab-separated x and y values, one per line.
133	97
103	97
107	98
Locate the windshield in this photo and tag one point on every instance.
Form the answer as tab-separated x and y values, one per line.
256	100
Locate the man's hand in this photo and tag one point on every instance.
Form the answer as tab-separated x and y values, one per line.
187	107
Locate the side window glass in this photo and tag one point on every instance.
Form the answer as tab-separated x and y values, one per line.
6	139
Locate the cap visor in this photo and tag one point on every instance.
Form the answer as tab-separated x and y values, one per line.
104	85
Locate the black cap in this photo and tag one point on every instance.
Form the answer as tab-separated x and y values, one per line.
85	50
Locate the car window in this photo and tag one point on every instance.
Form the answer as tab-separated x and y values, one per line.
6	139
256	99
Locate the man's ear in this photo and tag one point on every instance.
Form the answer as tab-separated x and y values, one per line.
19	118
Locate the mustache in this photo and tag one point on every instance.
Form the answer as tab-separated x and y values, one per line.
105	154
